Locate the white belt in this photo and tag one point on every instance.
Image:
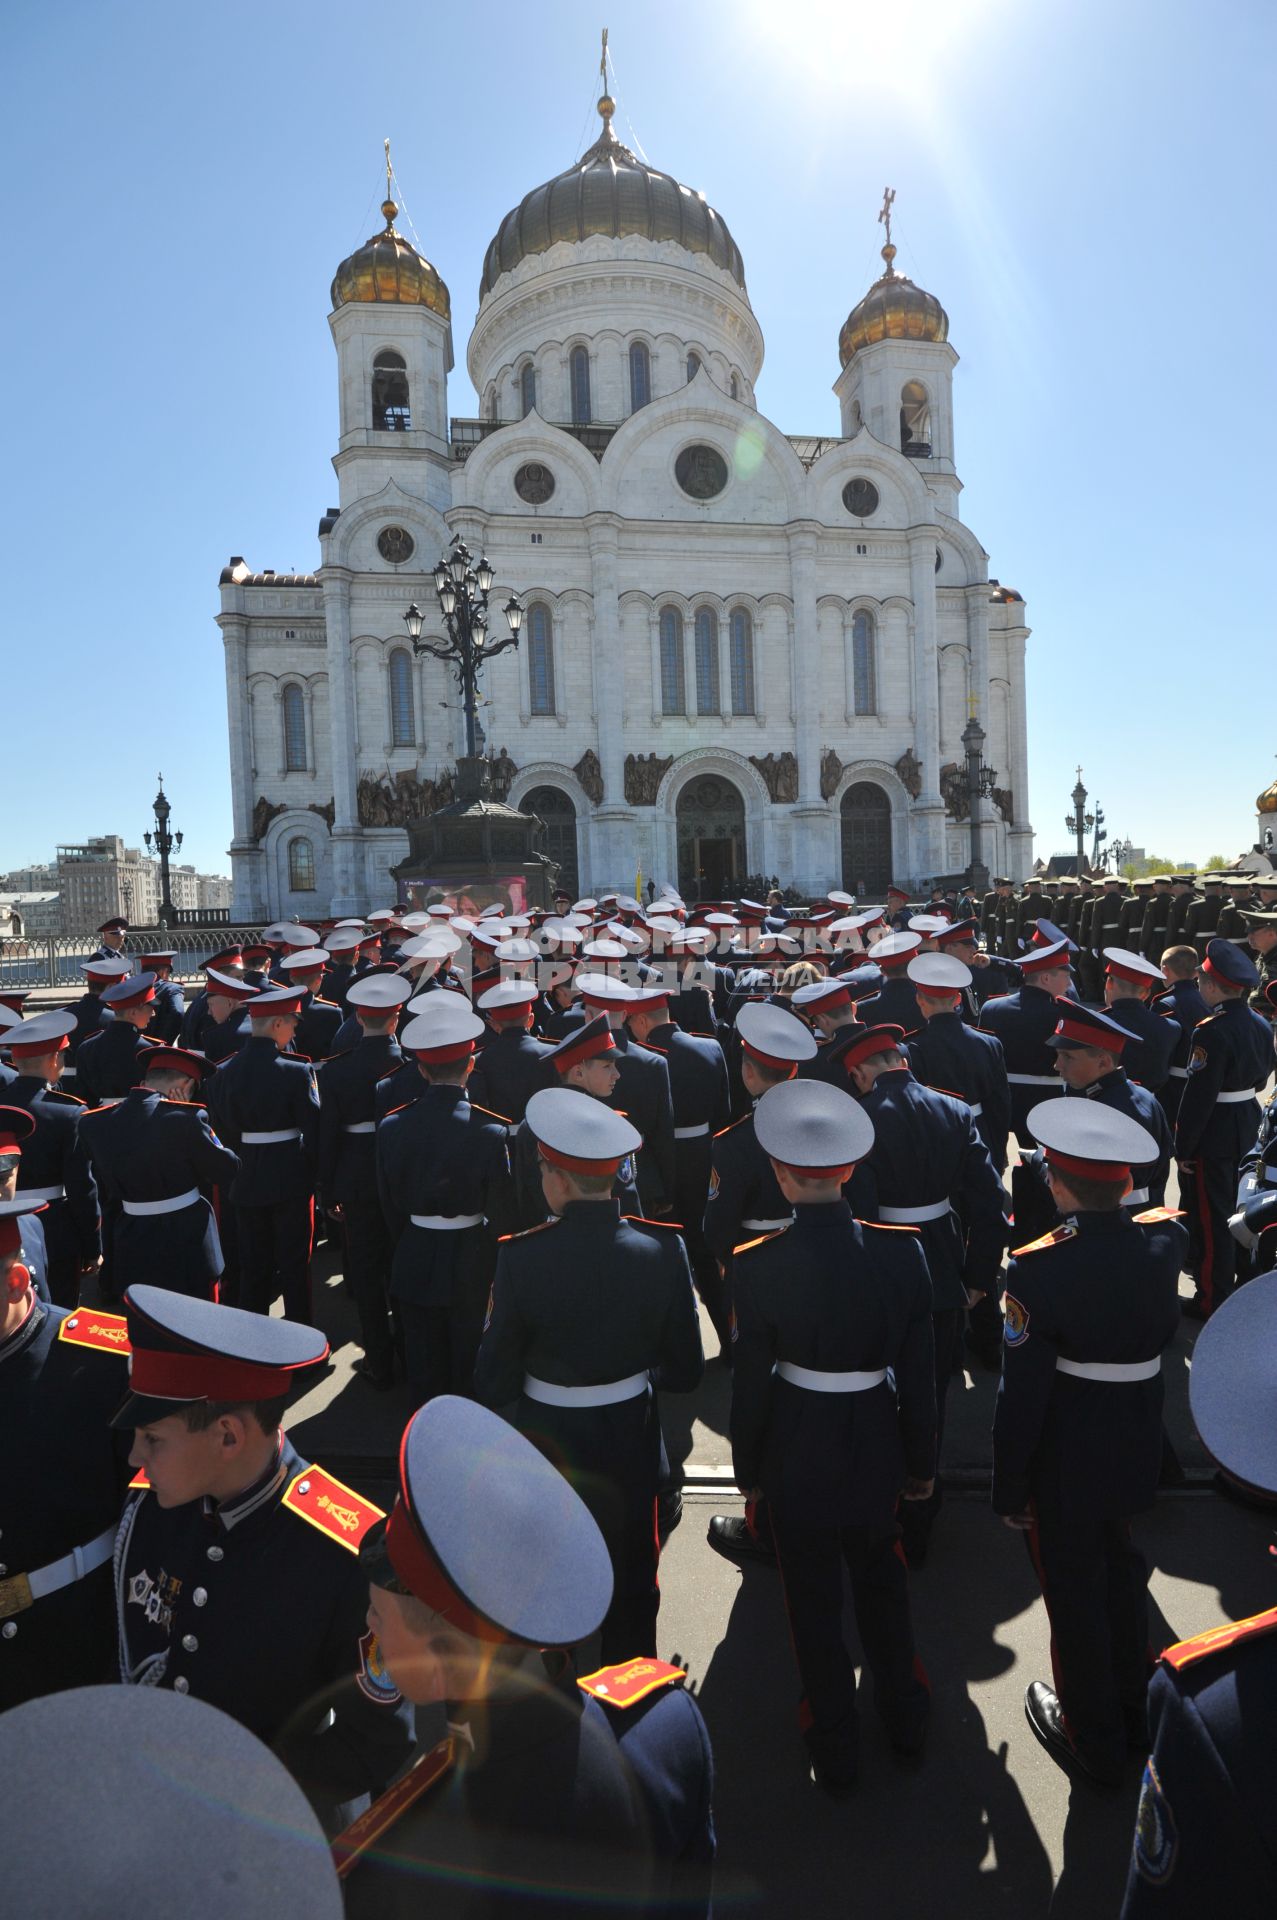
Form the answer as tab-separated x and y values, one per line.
608	1394
1270	1176
446	1222
116	1100
360	1126
691	1133
1137	1197
829	1382
59	1573
768	1226
271	1139
1035	1080
1103	1370
914	1216
38	1195
976	1107
1178	1073
146	1207
1231	1099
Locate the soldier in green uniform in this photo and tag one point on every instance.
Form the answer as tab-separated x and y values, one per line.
1032	905
1004	922
1134	907
1235	913
1105	920
1183	893
1261	941
1202	917
1154	928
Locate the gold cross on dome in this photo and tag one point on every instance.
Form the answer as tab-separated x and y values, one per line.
884	218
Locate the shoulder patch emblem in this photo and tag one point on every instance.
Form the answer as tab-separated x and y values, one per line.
335	1509
1197	1059
1053	1239
1156	1836
713	1181
372	1679
1186	1653
1016	1330
625	1685
108	1332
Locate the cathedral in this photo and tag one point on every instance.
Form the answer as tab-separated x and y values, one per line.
743	652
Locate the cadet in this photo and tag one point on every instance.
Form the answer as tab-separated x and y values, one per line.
586	1061
830	1005
553	1793
443	1172
348	1163
1183	1004
112	1060
953	1057
90	1014
112	932
1129	981
824	1307
1234	915
1154	931
169	1008
264	1105
511	1064
62	1373
1077	1431
1204	1832
1135	907
642	1091
1202	915
99	1749
1183	894
225	1027
55	1162
896	1003
230	962
235	1571
156	1159
933	1172
1231	1059
589	1313
1261	942
1023	1021
698	1088
318	1019
17	1126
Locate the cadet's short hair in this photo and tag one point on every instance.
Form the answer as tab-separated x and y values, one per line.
591	1186
446	1073
200	1415
1095	1196
1180	961
166	1079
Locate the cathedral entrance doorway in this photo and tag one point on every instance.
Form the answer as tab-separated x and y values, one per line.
554	807
711	839
866	841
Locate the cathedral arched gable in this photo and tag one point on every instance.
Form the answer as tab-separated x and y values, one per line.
702	405
343	546
486	481
904	499
721	760
877	773
961	541
548	773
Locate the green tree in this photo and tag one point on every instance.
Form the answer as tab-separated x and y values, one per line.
1216	860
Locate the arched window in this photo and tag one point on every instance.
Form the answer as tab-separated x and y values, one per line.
490	405
403	724
301	866
540	660
579	368
863	678
528	389
693	366
733	387
707	661
915	420
673	688
390	411
640	375
742	660
294	729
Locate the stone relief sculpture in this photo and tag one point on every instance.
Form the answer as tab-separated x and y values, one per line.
780	775
831	772
501	772
327	812
644	773
953	791
909	767
263	813
383	802
1004	803
590	774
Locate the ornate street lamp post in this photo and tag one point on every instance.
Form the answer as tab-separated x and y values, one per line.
462	586
976	783
1079	822
163	843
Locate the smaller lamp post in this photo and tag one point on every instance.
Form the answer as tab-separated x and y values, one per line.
462	585
977	783
1079	822
163	843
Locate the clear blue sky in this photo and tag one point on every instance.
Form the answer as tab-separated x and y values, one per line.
1085	185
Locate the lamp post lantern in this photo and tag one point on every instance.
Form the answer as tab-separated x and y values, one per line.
163	843
977	782
462	585
1079	822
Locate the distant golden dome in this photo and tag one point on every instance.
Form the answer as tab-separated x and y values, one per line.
610	191
386	268
893	309
1267	801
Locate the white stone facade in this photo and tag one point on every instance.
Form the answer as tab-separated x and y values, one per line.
867	656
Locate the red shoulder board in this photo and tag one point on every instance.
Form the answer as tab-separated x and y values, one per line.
1186	1653
335	1509
107	1106
632	1681
641	1220
72	1099
389	1074
1151	1216
887	1226
760	1241
540	1227
492	1114
1052	1239
140	1480
355	1840
108	1332
390	1112
732	1124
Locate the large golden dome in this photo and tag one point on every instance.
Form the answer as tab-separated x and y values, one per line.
1267	801
893	309
610	191
386	268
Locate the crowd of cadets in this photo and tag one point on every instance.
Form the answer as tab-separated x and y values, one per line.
538	1137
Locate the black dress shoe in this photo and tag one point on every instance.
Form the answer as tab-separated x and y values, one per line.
1194	1309
380	1382
729	1535
1043	1713
669	1511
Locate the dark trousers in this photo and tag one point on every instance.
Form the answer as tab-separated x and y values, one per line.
439	1348
916	1516
367	1271
1095	1584
1209	1197
812	1560
61	1255
274	1255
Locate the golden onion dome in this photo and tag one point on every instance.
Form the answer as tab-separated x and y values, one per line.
386	268
1267	801
893	309
610	191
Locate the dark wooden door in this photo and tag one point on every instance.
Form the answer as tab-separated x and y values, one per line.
866	841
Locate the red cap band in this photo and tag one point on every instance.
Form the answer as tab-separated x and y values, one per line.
441	1056
1116	971
840	1174
864	1048
199	1376
1088	1169
417	1567
35	1049
1033	963
9	1143
769	1059
572	1164
586	1050
1086	1036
